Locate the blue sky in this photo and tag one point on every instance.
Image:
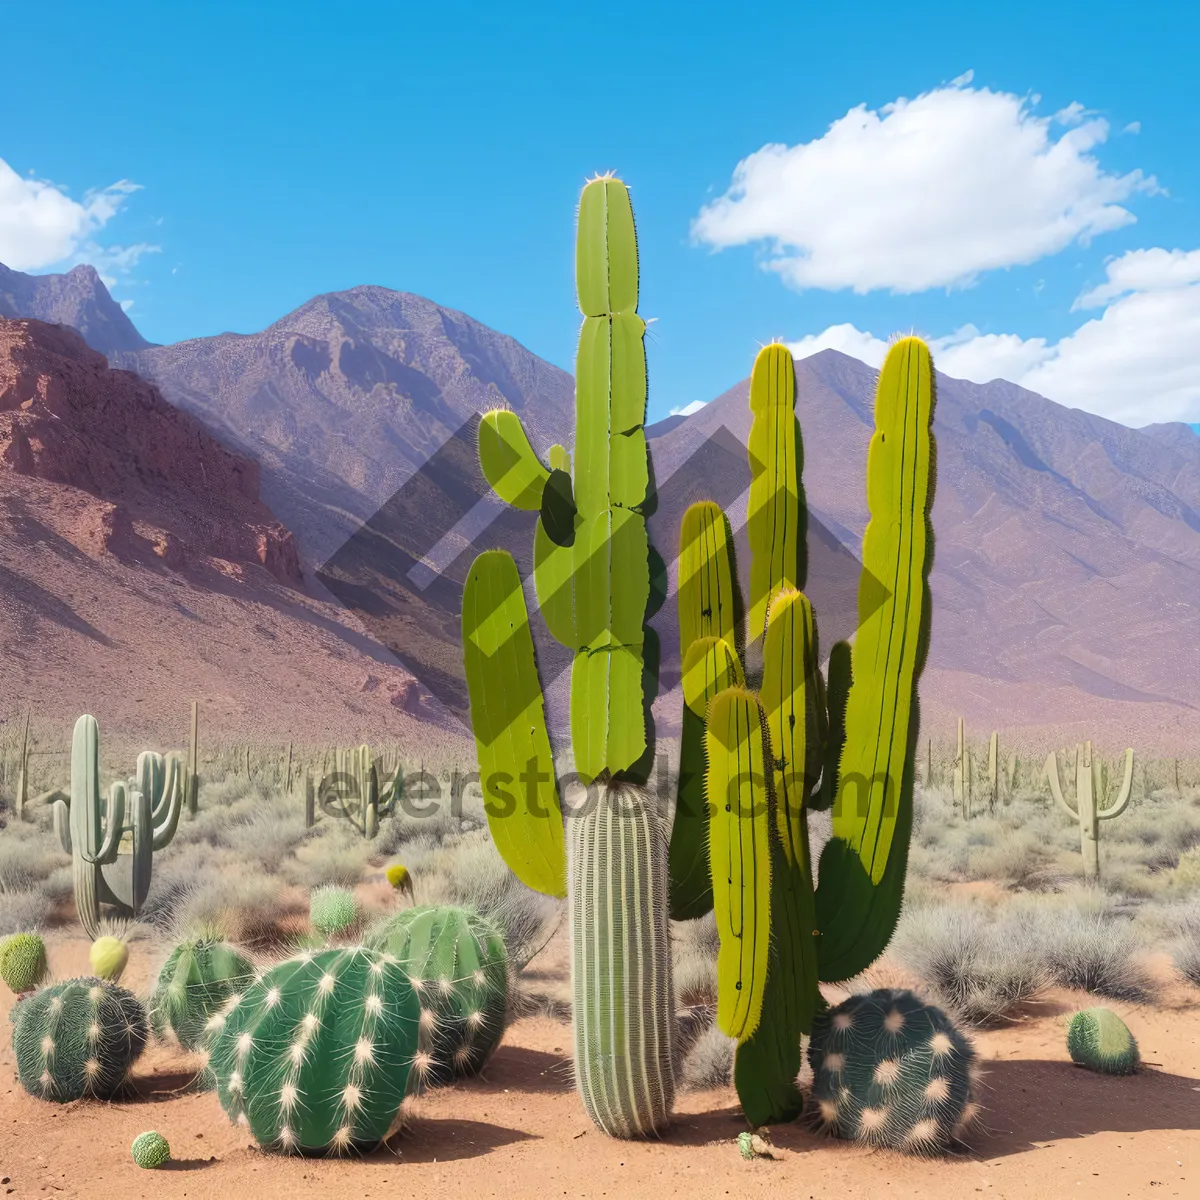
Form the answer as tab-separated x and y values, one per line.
1018	184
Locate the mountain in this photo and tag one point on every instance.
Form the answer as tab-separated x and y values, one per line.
139	568
78	299
1067	561
343	399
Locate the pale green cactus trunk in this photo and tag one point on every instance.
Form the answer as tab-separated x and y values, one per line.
993	771
960	761
1090	800
624	1002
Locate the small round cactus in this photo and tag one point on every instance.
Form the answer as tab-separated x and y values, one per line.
23	962
1099	1040
78	1038
108	956
196	981
315	1055
891	1071
400	878
332	910
150	1150
458	966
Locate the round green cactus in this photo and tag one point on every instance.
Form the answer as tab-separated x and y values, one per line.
23	961
332	910
195	983
109	957
457	963
78	1038
1099	1040
316	1054
891	1071
150	1150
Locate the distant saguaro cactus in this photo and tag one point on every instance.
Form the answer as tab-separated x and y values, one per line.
1090	796
960	767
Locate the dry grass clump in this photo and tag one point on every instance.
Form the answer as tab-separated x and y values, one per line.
708	1063
694	945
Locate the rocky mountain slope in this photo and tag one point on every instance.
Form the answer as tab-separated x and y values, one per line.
1068	547
139	568
78	298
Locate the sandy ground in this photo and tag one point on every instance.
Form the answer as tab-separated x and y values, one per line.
1048	1129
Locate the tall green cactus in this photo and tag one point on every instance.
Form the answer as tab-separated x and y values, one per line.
592	577
851	745
1091	794
112	842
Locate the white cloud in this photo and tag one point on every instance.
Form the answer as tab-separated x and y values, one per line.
924	193
1133	127
1136	362
688	409
40	225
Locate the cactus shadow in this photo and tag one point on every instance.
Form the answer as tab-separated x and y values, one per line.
161	1087
521	1069
1027	1102
447	1139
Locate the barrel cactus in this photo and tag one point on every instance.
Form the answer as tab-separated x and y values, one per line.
198	979
23	961
332	910
891	1071
77	1039
150	1150
1099	1040
457	963
316	1054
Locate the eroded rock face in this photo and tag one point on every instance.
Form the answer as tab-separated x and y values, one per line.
164	488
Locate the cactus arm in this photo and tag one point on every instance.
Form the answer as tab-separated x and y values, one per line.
1119	805
776	515
510	725
61	809
705	595
508	461
709	667
837	693
165	817
114	826
1051	771
150	779
739	855
560	459
858	906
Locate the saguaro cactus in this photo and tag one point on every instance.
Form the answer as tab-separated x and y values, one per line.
112	842
798	743
1090	796
993	771
591	572
960	771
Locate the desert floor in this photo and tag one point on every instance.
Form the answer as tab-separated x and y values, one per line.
1048	1129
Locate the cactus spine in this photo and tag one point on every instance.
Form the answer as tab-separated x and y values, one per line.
94	831
78	1039
1090	797
851	746
592	576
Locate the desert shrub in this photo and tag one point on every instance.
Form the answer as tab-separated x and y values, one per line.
22	910
708	1063
1187	958
978	965
695	945
1091	952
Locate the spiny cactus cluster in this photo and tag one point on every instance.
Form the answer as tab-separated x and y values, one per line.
195	983
78	1038
332	910
316	1054
891	1071
457	963
1099	1040
22	961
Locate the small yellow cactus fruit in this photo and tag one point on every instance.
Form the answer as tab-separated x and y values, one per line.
400	879
108	958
